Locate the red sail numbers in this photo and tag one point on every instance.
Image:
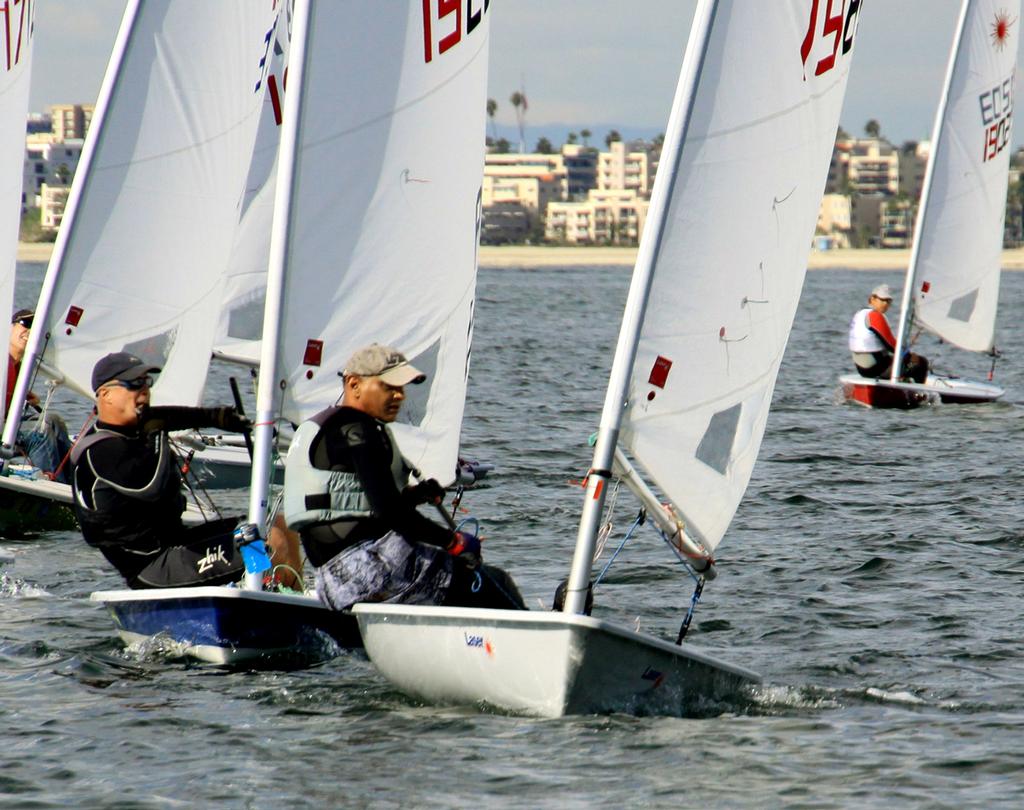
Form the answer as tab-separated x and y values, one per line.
836	26
447	22
16	28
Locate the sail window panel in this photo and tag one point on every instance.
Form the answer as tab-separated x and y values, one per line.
154	349
963	307
715	448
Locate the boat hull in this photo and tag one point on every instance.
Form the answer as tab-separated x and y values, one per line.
228	626
542	664
34	505
885	393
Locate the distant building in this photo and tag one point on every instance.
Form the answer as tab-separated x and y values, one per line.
835	220
70	121
607	217
38	123
47	163
896	226
630	170
52	201
505	223
864	166
580	170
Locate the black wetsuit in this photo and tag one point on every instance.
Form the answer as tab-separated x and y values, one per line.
128	500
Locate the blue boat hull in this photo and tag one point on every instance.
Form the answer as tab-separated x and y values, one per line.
230	625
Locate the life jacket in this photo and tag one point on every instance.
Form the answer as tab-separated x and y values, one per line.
107	519
862	339
313	495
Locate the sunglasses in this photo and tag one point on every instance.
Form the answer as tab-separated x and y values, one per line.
133	385
26	322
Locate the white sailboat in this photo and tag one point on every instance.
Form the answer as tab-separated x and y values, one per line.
374	238
150	221
705	326
952	284
16	45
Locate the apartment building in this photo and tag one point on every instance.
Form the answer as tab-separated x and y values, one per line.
629	167
606	217
70	122
47	163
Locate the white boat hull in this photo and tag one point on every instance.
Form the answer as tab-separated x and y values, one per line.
884	393
228	626
543	664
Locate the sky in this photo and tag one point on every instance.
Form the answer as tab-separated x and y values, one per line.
594	64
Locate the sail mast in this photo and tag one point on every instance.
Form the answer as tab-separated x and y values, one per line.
636	303
906	317
263	433
33	349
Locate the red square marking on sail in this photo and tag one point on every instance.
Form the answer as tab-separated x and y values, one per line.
74	316
314	353
926	286
659	371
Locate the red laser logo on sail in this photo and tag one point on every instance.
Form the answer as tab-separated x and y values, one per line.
1001	29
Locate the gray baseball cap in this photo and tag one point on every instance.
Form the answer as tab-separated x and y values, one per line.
385	362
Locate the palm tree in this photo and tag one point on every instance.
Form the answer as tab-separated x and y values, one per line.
611	138
492	108
873	129
519	103
544	147
585	134
572	138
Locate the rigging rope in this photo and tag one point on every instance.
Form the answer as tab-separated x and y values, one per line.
640	519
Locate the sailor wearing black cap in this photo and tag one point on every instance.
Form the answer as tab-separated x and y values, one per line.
128	491
43	438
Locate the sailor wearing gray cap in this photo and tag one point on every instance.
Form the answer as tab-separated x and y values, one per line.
347	493
872	342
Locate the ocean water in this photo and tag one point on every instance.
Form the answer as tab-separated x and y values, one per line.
873	575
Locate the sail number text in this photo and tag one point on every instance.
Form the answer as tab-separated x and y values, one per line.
16	19
996	117
447	22
835	28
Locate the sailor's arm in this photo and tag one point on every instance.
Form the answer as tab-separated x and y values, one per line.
180	417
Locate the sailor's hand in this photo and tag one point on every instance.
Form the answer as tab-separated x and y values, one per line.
429	491
227	418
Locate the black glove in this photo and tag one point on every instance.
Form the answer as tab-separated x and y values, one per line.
429	491
227	418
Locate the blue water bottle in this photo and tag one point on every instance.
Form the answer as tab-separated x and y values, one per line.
254	550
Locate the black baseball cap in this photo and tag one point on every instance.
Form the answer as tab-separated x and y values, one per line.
120	366
24	317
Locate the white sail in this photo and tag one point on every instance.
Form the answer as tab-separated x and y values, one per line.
384	217
16	35
954	275
739	187
154	207
241	321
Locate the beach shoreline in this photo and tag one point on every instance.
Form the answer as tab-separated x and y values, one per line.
510	256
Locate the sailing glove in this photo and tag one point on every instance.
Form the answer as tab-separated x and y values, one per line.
227	418
429	491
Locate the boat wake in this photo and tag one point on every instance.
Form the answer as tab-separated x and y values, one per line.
14	588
